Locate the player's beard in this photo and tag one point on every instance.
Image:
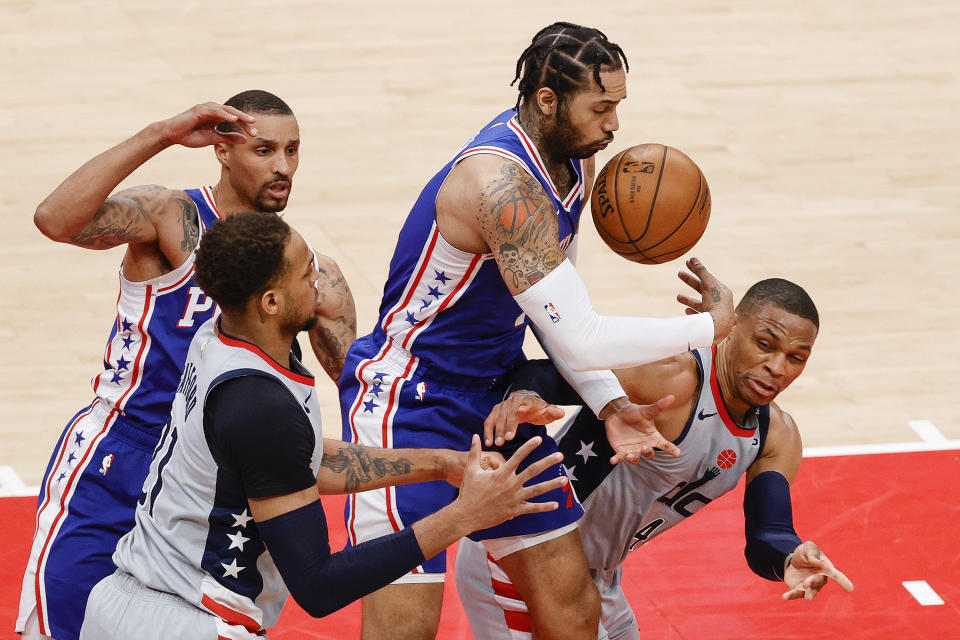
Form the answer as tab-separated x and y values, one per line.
271	204
567	139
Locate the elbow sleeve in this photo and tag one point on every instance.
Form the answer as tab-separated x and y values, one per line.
322	582
768	517
560	307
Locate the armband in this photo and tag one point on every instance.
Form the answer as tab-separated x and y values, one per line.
768	518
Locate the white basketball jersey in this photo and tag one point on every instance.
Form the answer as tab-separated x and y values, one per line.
194	535
626	505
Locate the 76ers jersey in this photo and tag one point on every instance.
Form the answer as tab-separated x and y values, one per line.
627	505
450	307
156	320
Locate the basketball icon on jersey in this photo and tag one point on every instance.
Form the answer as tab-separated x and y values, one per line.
726	458
421	390
105	464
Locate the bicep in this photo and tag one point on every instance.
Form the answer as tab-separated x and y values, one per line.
518	222
265	508
128	216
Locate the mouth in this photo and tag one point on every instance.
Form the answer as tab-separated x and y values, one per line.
279	189
762	388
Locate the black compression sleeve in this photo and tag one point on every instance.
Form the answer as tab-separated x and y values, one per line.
768	517
322	582
259	433
541	376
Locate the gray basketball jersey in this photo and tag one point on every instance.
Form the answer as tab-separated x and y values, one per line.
627	505
194	535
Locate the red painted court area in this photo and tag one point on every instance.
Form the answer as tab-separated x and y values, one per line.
883	519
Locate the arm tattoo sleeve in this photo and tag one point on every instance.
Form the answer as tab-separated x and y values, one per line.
121	219
520	224
359	468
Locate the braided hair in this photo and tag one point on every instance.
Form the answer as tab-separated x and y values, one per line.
561	55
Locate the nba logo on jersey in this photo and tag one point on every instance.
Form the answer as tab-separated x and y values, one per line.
421	390
105	465
552	312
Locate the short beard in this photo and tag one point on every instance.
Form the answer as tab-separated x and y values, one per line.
310	324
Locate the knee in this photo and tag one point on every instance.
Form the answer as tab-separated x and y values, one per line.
573	612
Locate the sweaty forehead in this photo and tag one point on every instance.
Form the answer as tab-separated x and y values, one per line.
614	86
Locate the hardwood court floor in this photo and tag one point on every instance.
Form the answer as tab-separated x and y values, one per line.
827	131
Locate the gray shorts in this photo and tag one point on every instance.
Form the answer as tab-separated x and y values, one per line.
121	607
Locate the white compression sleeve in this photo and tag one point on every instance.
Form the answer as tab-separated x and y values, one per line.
597	388
560	307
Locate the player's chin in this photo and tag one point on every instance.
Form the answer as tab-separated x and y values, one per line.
270	204
310	323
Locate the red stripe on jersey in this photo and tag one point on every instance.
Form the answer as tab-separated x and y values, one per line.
351	532
514	125
497	151
41	558
254	349
134	379
391	408
728	422
229	615
208	196
518	620
505	589
178	282
466	278
416	280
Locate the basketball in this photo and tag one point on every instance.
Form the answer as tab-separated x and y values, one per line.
651	203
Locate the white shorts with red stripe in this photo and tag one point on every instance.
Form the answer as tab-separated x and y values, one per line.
496	610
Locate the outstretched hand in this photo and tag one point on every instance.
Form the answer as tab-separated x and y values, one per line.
197	126
491	496
715	298
633	434
808	571
521	406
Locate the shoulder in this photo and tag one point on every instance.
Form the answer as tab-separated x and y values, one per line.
782	449
677	375
782	430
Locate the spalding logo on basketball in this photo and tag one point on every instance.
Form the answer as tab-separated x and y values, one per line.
727	458
651	203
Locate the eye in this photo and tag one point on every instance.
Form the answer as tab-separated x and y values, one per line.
262	151
798	359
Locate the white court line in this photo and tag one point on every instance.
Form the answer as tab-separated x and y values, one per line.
12	486
922	592
927	431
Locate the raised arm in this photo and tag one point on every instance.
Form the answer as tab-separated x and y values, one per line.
337	324
773	549
79	211
492	203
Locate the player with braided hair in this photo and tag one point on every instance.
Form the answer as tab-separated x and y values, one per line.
486	248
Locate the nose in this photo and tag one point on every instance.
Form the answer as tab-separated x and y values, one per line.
612	123
777	364
283	164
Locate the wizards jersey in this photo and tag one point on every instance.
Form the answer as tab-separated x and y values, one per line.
627	505
194	535
452	308
148	341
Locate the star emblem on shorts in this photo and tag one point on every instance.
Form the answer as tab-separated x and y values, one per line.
122	363
441	276
412	319
434	291
377	389
369	406
236	540
127	342
127	325
586	450
241	519
232	570
379	377
569	471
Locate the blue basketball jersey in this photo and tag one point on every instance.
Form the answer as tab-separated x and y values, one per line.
155	322
452	308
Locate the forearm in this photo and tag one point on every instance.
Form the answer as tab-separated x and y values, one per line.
560	307
442	528
768	517
598	389
71	207
337	318
349	468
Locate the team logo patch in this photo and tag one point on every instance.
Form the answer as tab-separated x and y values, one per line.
105	464
421	390
552	312
727	458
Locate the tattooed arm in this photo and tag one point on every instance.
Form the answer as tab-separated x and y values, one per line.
79	211
349	468
337	325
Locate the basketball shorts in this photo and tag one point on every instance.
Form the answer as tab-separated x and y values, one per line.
496	611
121	607
87	501
388	398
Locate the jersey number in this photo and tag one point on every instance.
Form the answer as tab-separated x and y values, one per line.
645	532
167	441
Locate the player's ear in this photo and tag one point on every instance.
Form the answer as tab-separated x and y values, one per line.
269	303
547	101
220	149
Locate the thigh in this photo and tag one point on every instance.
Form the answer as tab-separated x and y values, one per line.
403	612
